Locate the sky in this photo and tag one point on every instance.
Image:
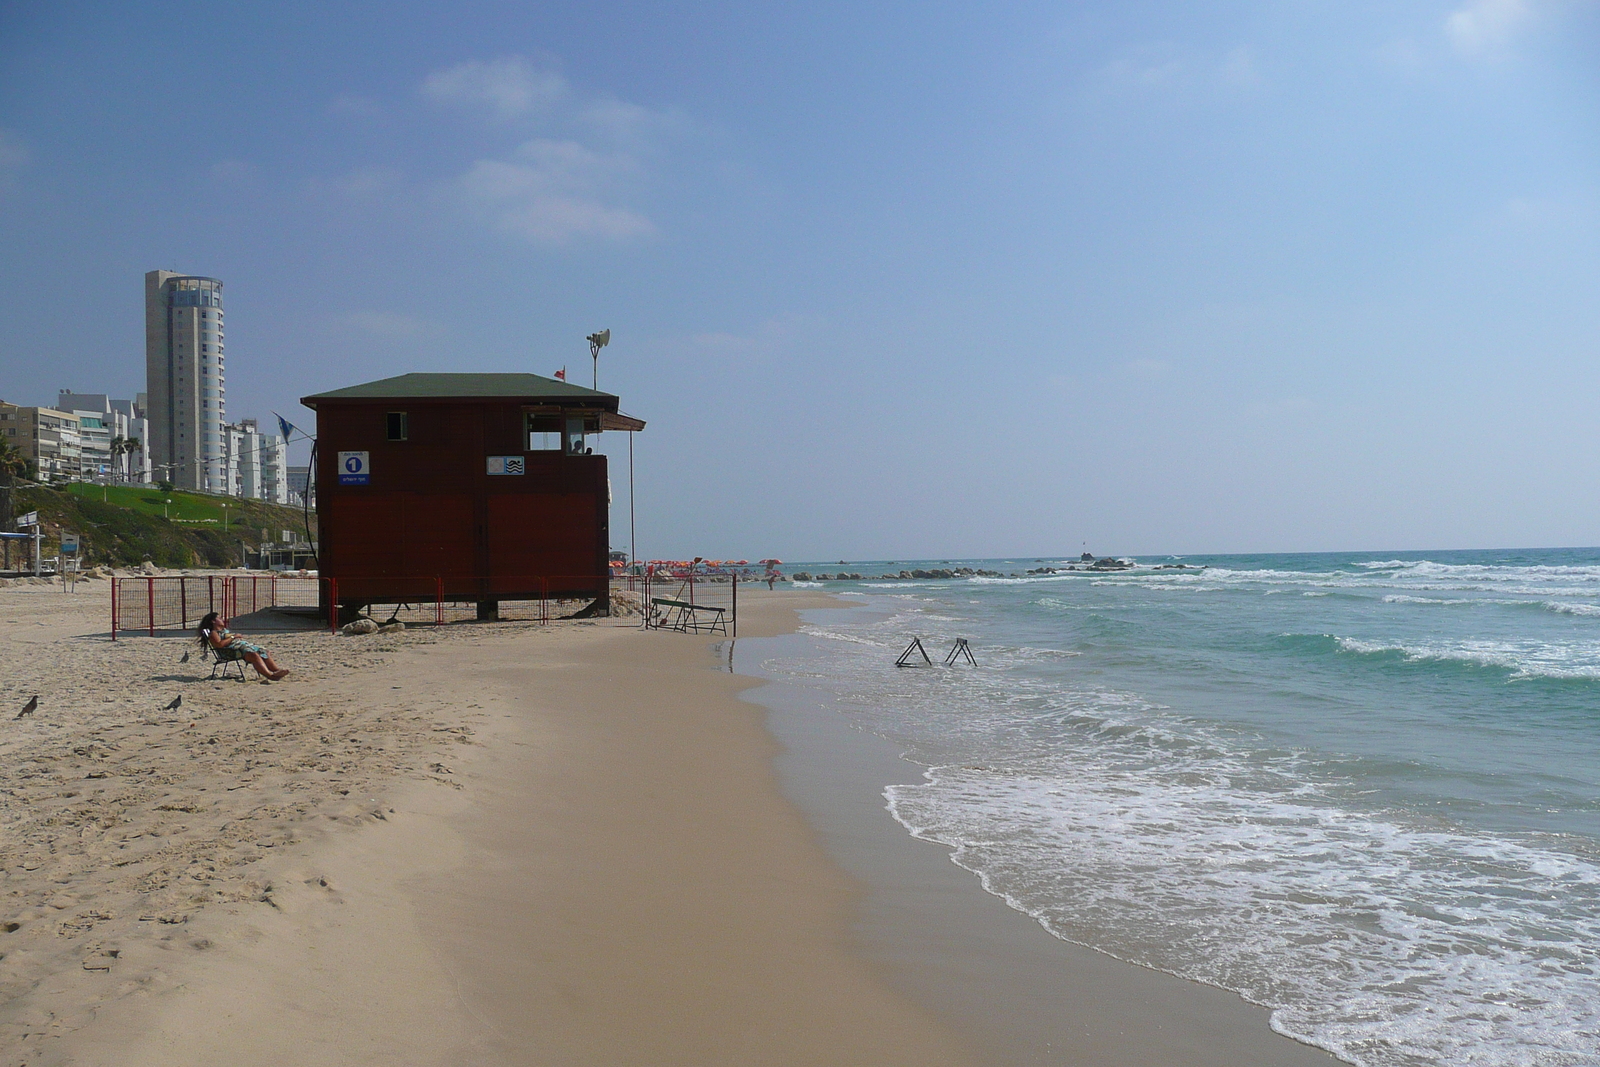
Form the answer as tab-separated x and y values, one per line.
886	281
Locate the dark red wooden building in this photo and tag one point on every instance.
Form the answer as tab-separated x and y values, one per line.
482	486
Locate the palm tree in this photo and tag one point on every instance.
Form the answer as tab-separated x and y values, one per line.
121	448
13	464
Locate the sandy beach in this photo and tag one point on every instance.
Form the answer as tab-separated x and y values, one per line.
501	844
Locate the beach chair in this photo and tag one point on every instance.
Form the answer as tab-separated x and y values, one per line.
222	659
685	617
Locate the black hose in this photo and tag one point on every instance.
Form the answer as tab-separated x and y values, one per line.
305	503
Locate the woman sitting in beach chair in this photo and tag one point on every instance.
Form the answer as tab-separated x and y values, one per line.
212	632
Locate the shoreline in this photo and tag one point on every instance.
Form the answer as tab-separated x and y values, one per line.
593	846
1018	992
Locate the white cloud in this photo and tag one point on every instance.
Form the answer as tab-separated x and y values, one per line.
509	87
554	190
629	125
14	153
388	325
568	184
1483	27
554	219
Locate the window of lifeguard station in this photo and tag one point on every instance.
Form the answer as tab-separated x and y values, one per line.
396	425
574	438
544	432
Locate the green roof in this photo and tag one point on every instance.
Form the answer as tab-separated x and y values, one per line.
444	386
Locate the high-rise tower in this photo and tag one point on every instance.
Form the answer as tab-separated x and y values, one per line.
184	379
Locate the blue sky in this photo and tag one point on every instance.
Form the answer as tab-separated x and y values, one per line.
889	281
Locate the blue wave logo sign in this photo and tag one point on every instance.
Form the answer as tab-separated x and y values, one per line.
354	468
507	465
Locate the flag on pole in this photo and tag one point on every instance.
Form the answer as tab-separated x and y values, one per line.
562	374
286	426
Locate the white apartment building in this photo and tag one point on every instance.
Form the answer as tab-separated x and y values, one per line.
134	426
49	437
183	342
274	468
106	426
255	464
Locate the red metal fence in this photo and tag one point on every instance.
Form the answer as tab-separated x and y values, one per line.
248	592
152	604
686	602
179	602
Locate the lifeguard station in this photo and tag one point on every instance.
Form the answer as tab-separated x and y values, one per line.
468	487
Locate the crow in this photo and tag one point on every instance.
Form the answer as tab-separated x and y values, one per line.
185	658
27	709
177	702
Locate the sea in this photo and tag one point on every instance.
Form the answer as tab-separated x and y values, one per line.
1359	789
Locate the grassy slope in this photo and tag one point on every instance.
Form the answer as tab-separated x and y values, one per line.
123	524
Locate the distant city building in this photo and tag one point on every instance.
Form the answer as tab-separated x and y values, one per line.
135	427
49	437
299	480
183	339
255	464
106	429
274	468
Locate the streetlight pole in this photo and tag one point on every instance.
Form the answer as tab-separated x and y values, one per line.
597	341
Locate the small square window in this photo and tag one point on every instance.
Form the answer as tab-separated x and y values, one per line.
396	425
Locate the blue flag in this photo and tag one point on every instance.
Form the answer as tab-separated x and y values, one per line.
285	425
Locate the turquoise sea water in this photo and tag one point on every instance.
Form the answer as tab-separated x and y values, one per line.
1360	789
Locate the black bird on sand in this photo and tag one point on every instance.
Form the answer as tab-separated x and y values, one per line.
185	658
27	709
177	702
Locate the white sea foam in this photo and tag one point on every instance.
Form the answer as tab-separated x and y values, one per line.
1383	942
1522	659
1571	609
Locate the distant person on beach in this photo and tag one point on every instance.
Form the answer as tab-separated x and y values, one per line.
212	631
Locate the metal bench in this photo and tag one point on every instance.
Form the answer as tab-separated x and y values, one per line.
685	617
